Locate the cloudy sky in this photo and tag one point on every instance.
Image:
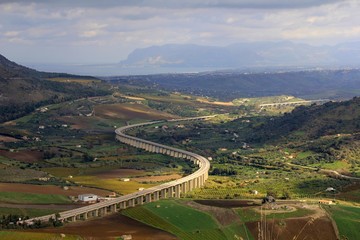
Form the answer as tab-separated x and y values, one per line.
91	31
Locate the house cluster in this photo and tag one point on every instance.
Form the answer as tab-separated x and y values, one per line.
88	198
43	109
326	202
92	198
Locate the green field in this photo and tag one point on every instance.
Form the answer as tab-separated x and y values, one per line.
30	212
9	235
182	221
32	198
347	220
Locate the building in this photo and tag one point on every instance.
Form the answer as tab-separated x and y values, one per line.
327	202
88	198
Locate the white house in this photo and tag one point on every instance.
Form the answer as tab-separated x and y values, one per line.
88	198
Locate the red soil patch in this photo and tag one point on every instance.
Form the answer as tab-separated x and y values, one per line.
227	203
23	156
350	192
49	189
300	228
77	122
110	227
8	139
161	178
119	173
130	111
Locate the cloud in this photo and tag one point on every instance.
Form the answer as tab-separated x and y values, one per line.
243	4
112	29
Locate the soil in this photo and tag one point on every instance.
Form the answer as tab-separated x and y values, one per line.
350	193
297	228
157	178
118	173
130	111
111	227
224	216
228	203
50	189
215	103
77	122
23	156
41	206
8	139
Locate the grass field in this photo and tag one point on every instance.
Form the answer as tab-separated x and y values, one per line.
184	222
113	184
347	220
75	80
26	211
23	198
10	235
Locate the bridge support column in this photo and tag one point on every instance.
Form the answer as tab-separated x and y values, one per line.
156	196
113	208
177	191
153	149
140	200
132	202
148	198
191	184
171	192
163	194
183	188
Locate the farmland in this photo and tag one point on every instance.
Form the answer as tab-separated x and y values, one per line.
347	220
22	198
110	227
184	222
71	146
189	220
31	236
30	212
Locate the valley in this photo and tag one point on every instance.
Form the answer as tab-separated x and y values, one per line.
58	151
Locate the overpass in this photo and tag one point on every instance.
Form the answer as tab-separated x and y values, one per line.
295	103
171	189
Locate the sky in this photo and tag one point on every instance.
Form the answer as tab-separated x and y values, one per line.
95	32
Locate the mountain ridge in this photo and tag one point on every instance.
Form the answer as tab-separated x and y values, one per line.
23	89
238	55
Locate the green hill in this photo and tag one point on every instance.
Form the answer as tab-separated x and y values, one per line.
312	122
22	89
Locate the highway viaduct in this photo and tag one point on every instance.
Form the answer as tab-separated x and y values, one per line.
173	189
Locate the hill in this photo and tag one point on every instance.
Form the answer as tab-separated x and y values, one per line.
312	122
22	89
310	84
245	54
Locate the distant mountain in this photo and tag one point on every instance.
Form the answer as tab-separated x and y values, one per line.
258	54
23	89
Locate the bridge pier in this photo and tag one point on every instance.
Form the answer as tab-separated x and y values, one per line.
177	191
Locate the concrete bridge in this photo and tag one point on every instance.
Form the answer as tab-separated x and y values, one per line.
173	189
295	103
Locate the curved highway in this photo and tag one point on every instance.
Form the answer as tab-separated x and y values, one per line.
167	190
